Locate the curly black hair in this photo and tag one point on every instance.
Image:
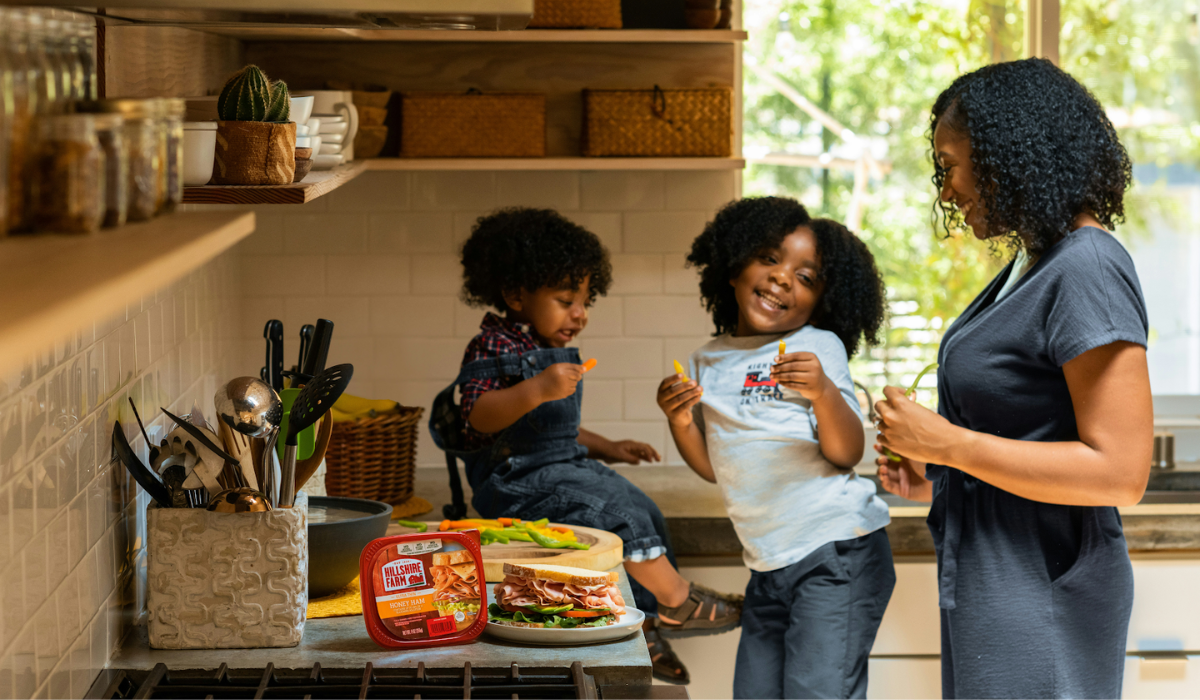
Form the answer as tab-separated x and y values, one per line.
852	304
1042	149
523	248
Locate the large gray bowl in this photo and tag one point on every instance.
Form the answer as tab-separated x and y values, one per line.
335	545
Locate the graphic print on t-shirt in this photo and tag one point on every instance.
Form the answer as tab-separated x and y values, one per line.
759	386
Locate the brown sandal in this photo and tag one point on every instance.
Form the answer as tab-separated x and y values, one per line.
704	612
666	664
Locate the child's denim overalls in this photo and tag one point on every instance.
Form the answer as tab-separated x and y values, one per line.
536	468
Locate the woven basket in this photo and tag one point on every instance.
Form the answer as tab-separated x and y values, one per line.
596	14
658	122
374	458
472	124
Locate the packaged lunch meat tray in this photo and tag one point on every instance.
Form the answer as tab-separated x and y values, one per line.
423	590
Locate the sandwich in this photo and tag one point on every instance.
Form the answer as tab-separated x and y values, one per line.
456	586
555	596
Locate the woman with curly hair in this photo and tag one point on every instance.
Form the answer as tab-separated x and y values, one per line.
518	426
779	428
1044	418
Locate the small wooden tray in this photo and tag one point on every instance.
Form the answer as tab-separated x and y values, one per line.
606	553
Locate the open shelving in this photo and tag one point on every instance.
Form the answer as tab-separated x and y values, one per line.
314	185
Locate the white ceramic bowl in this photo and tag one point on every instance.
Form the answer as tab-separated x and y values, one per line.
301	129
199	147
333	138
302	108
329	149
332	127
314	142
327	162
303	142
314	126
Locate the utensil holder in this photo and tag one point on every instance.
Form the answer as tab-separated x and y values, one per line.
227	580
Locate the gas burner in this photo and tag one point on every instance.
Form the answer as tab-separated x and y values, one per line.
366	682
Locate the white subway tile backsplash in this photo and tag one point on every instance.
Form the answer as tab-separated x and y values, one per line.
706	190
397	233
653	434
606	226
324	234
264	276
365	274
637	274
602	400
605	318
623	358
439	275
662	232
451	190
418	358
538	188
350	315
400	316
641	400
616	190
467	320
383	191
679	278
681	349
665	316
464	221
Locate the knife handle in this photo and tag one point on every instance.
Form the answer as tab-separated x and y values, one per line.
318	353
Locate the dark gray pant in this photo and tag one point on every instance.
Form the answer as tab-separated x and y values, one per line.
807	629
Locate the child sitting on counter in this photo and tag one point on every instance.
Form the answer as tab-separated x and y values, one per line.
518	430
771	416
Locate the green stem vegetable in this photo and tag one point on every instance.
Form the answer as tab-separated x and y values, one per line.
420	527
911	390
554	544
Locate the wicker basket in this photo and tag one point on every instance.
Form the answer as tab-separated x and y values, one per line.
592	14
657	122
374	458
472	124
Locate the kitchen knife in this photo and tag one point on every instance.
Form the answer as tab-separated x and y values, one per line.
314	362
273	332
199	435
306	337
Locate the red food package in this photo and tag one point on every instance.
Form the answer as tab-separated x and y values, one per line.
423	589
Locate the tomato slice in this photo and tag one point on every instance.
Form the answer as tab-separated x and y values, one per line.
585	613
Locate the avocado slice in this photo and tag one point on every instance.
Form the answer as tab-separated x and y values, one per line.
552	610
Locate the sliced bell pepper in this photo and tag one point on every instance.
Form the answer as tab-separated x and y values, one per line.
892	456
420	527
586	613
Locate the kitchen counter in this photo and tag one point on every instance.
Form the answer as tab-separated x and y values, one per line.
1167	519
342	642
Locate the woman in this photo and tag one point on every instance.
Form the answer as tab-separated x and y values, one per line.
1044	421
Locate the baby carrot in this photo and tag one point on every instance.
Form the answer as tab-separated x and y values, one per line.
679	371
589	364
911	390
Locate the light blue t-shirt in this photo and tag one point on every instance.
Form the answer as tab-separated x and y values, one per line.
784	498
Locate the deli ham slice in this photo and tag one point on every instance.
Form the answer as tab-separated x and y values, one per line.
517	592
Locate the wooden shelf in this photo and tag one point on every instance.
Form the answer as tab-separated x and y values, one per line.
314	185
556	163
55	284
558	36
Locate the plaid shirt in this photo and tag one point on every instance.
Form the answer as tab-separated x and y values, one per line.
497	336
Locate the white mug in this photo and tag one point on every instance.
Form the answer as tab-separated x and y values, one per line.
333	102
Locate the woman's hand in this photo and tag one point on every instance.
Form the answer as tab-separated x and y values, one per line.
558	381
802	371
908	428
629	452
677	397
905	478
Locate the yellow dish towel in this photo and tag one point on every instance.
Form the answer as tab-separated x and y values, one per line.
347	601
413	506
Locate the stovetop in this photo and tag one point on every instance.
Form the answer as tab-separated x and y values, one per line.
366	682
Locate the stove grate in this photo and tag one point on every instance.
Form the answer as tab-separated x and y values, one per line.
367	682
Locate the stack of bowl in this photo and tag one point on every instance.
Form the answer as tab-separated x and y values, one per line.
372	114
301	114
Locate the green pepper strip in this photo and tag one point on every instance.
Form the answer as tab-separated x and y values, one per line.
541	523
490	536
911	390
515	533
555	544
420	527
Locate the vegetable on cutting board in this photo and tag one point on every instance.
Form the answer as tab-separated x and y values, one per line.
505	530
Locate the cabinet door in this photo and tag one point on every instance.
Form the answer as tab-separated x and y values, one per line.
1166	612
912	624
1162	678
900	677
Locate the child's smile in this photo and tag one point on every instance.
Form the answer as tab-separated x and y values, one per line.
778	289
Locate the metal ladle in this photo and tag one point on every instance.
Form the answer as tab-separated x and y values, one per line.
251	407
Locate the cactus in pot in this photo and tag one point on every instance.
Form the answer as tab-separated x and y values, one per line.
256	142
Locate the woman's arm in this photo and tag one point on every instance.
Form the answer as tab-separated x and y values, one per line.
1108	466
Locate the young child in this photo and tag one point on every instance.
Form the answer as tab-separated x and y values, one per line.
518	426
780	432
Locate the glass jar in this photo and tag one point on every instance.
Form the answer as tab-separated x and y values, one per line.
140	134
85	47
158	114
174	110
110	130
68	184
18	133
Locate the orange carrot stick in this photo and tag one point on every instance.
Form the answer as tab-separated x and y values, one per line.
587	366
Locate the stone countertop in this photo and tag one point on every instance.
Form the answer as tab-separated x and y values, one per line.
343	642
1167	519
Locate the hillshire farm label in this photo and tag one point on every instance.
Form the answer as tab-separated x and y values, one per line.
403	573
421	547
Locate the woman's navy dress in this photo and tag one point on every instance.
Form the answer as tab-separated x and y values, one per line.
1035	598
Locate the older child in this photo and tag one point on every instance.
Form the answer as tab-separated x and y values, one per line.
780	432
518	426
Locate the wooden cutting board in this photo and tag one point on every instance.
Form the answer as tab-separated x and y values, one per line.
607	551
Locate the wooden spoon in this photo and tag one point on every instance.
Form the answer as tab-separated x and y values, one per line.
305	468
238	445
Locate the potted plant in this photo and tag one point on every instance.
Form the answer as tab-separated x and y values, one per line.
256	143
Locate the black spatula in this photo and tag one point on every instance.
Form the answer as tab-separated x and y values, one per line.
313	401
141	473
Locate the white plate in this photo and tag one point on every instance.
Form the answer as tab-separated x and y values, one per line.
628	624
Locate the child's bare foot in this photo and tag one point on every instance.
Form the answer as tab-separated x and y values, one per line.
703	612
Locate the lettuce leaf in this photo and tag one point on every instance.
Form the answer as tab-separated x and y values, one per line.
495	612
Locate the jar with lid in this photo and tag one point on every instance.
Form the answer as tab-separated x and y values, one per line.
68	183
20	106
140	135
173	111
110	133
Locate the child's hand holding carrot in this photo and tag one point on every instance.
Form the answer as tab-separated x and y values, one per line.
802	371
558	381
677	395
